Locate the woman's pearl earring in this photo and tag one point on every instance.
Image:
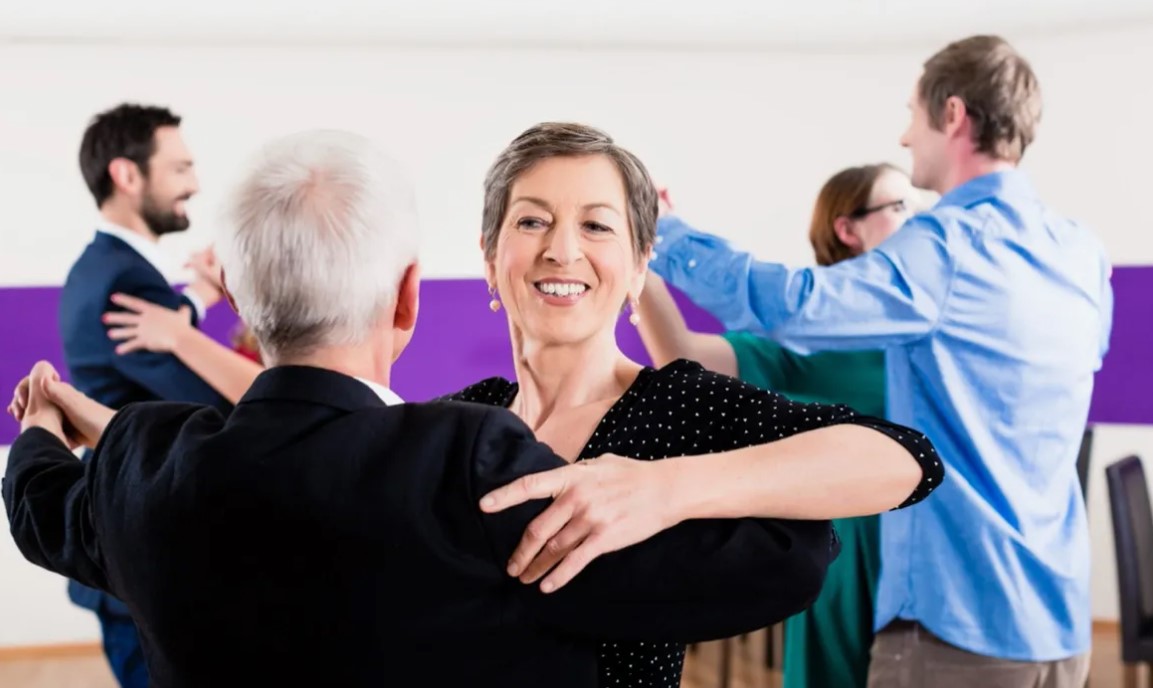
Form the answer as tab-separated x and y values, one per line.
634	317
494	304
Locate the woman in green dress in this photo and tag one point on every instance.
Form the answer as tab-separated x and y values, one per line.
827	646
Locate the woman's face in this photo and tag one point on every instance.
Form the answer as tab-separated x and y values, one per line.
890	205
564	262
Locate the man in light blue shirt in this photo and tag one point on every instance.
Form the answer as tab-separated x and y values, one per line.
994	312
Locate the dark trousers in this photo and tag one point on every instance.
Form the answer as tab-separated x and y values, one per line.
906	655
122	647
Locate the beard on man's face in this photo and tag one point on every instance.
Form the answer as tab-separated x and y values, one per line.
163	220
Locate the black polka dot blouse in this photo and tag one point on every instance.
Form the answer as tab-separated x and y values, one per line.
682	410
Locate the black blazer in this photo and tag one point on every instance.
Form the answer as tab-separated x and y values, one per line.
319	537
108	265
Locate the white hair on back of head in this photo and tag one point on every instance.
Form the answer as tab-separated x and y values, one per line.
318	237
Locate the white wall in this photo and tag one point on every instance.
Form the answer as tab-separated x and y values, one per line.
679	24
34	606
743	139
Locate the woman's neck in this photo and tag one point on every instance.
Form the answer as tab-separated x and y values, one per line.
556	378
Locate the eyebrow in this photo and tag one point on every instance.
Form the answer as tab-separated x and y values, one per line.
544	204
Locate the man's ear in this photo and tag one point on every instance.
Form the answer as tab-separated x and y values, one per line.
408	299
125	174
956	117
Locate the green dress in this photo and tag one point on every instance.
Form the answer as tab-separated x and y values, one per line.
827	645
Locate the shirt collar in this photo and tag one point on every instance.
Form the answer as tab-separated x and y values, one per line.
386	395
148	250
1012	183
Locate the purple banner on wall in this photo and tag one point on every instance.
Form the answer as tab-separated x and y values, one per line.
1123	389
459	341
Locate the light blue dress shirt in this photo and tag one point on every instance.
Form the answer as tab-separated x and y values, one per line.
994	313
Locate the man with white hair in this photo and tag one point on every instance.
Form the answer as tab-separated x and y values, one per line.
325	533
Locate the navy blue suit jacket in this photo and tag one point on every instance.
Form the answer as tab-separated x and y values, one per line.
108	265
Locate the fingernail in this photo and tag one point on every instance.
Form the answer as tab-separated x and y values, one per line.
487	502
513	570
547	586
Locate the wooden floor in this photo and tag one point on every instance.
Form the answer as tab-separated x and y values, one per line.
86	668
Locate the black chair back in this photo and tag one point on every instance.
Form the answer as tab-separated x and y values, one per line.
1083	462
1133	540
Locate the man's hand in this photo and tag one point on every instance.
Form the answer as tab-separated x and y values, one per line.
600	505
32	406
206	284
206	267
43	396
19	401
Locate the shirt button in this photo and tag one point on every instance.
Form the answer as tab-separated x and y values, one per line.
692	263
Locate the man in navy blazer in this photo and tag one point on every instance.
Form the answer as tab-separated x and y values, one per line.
141	175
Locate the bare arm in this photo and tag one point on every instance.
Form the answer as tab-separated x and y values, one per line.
692	581
605	504
827	462
667	337
163	375
155	328
834	472
228	372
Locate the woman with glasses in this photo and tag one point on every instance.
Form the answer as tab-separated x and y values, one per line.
826	646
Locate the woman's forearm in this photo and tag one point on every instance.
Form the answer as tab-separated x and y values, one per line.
834	472
667	336
226	371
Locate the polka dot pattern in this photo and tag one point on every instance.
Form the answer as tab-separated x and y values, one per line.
681	410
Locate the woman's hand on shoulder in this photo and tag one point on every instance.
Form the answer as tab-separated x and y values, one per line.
599	506
145	325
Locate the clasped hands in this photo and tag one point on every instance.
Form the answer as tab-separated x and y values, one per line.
44	400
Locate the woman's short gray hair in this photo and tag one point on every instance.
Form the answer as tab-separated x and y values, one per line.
319	235
564	139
